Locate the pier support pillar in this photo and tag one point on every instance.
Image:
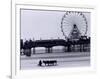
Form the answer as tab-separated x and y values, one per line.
48	49
33	50
69	48
65	49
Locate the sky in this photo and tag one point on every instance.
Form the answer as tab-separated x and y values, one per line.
42	24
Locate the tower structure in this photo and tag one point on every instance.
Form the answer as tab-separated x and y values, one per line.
75	33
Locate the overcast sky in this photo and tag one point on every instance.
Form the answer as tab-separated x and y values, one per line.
43	24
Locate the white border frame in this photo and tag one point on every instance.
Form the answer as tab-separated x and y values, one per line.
17	73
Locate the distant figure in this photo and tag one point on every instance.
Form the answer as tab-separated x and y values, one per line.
40	63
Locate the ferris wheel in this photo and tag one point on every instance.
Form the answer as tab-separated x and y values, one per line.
72	19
